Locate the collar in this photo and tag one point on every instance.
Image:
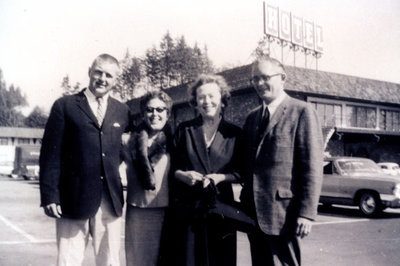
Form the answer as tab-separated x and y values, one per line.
274	104
91	98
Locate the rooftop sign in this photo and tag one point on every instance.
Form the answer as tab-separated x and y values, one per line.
288	27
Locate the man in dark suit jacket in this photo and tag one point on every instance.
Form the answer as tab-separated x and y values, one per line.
283	169
80	184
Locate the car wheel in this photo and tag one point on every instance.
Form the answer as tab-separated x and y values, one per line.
369	204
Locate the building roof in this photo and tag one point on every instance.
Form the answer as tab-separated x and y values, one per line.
312	82
21	132
306	81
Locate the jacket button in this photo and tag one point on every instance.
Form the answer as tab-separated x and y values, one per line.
101	177
103	154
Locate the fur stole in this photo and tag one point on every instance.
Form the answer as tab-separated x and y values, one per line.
147	157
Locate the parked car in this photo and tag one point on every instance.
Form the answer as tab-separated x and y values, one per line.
390	168
359	182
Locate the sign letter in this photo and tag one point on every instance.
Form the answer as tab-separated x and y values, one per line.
309	35
285	26
319	39
297	30
272	21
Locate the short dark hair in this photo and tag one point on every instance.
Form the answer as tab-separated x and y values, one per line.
210	78
155	94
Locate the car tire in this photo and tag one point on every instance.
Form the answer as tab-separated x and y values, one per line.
369	204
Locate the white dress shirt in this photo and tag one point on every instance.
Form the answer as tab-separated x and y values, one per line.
93	103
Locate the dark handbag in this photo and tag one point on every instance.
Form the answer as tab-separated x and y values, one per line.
211	207
233	215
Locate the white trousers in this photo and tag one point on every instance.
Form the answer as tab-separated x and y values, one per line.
73	236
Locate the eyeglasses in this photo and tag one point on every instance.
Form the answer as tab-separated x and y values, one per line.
264	78
157	109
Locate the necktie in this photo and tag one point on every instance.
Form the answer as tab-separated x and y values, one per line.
262	126
100	110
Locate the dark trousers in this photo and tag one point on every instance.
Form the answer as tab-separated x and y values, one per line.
274	250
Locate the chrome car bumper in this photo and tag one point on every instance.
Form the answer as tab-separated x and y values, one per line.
390	201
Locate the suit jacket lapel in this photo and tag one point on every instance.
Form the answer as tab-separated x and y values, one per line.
199	144
84	106
254	126
111	108
274	119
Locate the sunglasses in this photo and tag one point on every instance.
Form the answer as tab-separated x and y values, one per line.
157	109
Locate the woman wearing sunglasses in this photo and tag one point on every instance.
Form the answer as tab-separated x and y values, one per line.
148	163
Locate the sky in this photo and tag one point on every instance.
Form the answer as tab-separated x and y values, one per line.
42	41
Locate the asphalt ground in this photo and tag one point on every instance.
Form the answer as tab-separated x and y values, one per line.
340	236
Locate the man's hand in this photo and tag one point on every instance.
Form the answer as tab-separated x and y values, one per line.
53	210
303	227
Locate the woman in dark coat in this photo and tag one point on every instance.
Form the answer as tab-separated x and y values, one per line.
204	167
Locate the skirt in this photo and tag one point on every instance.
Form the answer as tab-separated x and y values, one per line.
143	231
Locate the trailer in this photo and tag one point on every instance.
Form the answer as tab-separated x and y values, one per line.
7	158
26	163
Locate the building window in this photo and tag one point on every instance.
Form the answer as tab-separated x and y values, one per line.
333	113
3	141
360	116
389	120
23	141
330	115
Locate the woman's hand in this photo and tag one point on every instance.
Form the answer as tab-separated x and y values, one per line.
217	178
190	178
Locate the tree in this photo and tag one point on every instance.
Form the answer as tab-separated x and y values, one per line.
37	118
175	62
132	73
168	62
171	63
10	99
67	88
185	68
153	66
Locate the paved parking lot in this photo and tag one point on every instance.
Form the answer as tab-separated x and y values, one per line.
341	236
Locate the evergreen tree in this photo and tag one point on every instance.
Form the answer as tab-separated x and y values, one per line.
37	118
11	99
175	62
167	62
132	72
171	63
153	66
67	88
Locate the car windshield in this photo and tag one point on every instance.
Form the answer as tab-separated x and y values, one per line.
358	166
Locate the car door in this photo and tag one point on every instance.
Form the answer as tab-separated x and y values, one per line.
331	181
